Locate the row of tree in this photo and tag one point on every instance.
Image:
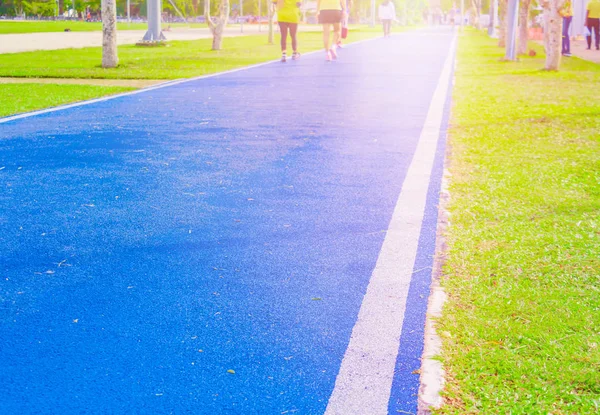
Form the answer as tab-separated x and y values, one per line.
187	8
552	28
360	9
109	13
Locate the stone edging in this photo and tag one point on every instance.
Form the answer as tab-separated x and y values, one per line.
432	375
432	371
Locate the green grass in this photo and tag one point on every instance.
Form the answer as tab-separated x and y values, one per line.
18	98
521	328
75	26
183	59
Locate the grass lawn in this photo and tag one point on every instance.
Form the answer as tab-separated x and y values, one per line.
75	26
17	98
521	328
180	59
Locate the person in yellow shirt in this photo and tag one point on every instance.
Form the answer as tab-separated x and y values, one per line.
567	14
592	21
330	13
288	16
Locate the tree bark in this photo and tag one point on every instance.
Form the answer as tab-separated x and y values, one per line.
492	23
503	23
476	6
218	27
110	58
271	18
522	48
553	33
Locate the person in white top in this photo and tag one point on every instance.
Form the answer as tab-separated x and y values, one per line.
387	13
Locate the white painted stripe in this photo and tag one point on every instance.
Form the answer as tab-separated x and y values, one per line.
364	382
151	88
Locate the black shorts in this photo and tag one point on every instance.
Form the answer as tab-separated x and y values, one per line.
330	16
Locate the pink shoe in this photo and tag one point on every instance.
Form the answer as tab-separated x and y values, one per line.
339	45
333	53
328	56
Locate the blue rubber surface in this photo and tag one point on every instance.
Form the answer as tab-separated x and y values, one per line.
153	242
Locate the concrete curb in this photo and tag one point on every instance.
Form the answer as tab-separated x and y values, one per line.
432	371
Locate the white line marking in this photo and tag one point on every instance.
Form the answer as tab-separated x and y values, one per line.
364	382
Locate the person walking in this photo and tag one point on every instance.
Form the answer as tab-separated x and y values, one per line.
345	20
288	17
592	22
330	13
387	13
567	14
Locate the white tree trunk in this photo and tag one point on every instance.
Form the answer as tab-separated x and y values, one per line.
110	59
522	47
476	7
503	26
553	33
217	28
271	18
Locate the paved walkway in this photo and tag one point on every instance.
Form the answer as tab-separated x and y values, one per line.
25	42
256	242
579	49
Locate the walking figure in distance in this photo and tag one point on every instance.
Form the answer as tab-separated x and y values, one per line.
330	13
592	21
288	16
387	13
567	14
345	21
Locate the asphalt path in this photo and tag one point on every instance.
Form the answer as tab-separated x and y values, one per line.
205	247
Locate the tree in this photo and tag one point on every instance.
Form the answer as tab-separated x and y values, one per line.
522	48
110	58
476	5
271	9
503	22
216	28
552	33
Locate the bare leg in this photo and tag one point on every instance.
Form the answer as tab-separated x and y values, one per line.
294	36
337	32
326	30
283	29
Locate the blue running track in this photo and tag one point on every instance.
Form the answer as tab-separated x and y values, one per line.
152	244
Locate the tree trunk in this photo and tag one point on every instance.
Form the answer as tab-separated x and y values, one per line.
503	23
553	33
217	28
110	58
492	23
522	48
476	7
271	18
